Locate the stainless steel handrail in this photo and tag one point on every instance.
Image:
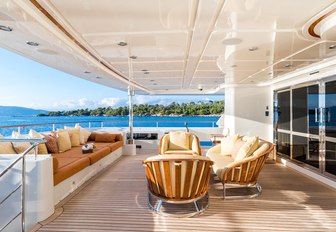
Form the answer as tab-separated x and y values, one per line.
109	121
35	142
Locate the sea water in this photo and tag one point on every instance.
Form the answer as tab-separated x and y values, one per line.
98	121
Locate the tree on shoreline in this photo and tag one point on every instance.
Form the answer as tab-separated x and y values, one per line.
184	109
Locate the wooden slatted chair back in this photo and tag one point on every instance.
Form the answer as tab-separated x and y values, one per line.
178	177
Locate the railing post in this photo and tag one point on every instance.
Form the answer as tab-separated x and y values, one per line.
19	130
101	124
213	124
53	127
157	124
23	183
89	124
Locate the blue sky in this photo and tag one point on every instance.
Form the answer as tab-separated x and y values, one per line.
27	83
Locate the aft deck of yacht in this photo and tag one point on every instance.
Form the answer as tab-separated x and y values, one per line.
116	200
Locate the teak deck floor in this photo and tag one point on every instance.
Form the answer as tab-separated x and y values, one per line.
117	201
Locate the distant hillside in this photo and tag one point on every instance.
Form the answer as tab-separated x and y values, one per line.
19	111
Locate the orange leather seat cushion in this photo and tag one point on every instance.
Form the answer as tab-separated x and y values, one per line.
115	146
97	155
68	167
101	145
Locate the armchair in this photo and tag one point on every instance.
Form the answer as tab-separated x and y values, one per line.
178	179
180	142
242	166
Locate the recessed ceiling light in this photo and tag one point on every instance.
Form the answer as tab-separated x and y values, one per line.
122	44
133	57
87	72
98	77
151	80
215	81
288	65
231	41
332	46
254	48
233	66
154	83
31	43
146	72
5	28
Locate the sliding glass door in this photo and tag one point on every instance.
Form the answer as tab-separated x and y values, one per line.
305	125
330	128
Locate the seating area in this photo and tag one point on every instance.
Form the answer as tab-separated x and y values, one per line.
181	175
70	162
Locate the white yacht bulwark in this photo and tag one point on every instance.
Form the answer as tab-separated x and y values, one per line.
273	61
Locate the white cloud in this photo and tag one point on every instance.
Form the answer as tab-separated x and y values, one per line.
112	101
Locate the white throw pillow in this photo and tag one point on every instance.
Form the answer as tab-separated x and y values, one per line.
248	148
227	144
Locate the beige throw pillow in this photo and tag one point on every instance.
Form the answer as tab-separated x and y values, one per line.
227	144
74	136
42	148
63	140
178	140
6	147
84	134
20	147
248	148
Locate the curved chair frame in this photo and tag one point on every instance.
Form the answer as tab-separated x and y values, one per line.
245	173
178	179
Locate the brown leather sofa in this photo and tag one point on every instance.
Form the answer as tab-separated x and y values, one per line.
72	161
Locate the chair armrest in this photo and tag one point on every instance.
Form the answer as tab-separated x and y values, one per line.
164	143
195	145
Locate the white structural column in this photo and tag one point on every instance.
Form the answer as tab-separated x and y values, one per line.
245	111
130	115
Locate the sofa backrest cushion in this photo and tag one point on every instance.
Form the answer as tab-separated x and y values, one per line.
179	140
227	144
92	136
105	137
248	148
63	141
